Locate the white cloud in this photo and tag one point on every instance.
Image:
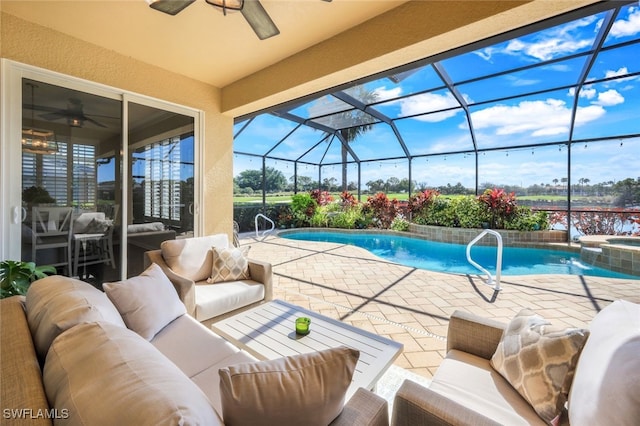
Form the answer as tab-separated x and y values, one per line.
548	48
585	92
609	98
612	73
548	44
627	27
536	118
430	102
383	93
519	82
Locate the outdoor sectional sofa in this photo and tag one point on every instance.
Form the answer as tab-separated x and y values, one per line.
132	356
467	389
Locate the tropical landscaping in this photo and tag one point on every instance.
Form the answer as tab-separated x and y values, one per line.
548	115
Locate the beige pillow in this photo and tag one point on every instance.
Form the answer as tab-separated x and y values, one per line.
304	389
56	303
191	257
101	374
229	264
539	361
147	302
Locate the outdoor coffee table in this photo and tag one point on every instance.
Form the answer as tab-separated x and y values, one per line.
268	332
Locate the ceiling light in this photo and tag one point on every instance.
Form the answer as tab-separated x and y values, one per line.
227	4
37	141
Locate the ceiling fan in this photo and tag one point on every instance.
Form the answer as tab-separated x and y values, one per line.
74	114
252	10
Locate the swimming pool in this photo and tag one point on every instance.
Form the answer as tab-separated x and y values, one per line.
444	257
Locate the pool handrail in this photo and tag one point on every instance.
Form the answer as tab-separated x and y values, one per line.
490	280
266	231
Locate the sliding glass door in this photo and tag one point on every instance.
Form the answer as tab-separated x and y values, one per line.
98	178
161	148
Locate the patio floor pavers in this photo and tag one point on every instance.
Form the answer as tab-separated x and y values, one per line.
413	305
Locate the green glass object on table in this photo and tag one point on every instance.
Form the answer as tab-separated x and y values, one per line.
302	325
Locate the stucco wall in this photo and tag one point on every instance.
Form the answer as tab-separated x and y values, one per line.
35	45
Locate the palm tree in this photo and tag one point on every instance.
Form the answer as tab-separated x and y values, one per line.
355	115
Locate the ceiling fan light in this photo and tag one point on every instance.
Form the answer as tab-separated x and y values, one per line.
227	4
172	7
75	122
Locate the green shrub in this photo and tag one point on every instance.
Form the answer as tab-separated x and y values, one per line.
303	207
467	212
524	219
346	219
400	224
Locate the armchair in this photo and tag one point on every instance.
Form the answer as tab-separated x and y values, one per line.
466	390
188	264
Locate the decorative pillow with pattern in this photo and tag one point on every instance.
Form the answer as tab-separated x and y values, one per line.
539	361
229	264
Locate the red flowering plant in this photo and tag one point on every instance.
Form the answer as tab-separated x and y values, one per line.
421	201
383	209
347	200
322	197
499	205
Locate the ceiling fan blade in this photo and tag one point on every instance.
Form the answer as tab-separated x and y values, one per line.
54	115
259	20
172	7
91	120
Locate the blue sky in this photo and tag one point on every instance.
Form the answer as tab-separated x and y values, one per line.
434	122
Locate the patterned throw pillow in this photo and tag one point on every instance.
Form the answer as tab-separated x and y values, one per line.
539	361
229	264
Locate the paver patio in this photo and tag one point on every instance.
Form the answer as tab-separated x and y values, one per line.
412	305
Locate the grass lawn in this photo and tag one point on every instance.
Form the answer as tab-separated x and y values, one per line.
401	196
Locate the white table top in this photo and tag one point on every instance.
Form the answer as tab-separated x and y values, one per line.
268	332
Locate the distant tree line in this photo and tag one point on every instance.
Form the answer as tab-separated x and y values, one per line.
625	192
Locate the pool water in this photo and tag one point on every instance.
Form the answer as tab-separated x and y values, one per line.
444	257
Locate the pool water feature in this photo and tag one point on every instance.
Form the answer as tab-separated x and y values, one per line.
445	257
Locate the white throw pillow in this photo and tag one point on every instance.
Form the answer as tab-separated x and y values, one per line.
147	302
606	385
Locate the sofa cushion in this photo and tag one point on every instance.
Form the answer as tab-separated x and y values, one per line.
209	379
538	361
471	382
229	264
56	303
103	374
192	346
191	257
304	389
147	302
83	221
217	299
606	386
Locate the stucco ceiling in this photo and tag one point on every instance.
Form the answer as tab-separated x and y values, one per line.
199	42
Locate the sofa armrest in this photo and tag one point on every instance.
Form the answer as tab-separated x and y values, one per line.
416	405
474	334
261	272
185	287
365	408
22	390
